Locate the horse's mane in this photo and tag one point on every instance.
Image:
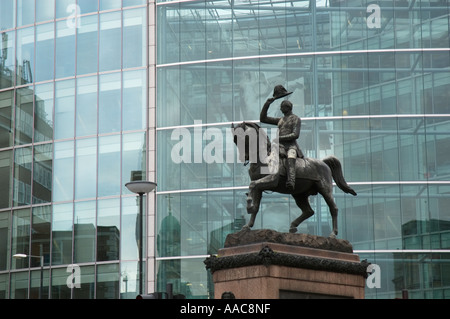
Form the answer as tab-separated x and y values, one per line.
257	127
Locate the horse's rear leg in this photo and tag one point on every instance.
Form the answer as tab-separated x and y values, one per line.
328	196
303	203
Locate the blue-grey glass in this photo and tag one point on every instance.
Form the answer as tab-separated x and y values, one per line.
35	283
129	3
45	42
129	279
65	8
5	240
42	173
84	232
24	116
109	105
25	56
86	106
20	243
109	166
110	4
19	285
64	50
6	165
7	15
58	280
128	232
134	38
63	171
62	227
64	109
43	117
87	45
23	162
45	10
7	60
110	41
88	6
108	229
108	281
41	233
134	100
86	168
87	286
6	109
133	157
25	12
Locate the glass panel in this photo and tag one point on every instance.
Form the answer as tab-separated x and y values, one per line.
4	286
63	177
59	289
110	41
129	280
86	106
24	116
129	239
133	157
6	107
87	290
35	283
43	117
62	225
6	164
86	169
87	6
129	3
134	38
5	240
20	237
108	230
110	103
19	285
25	12
23	161
65	8
42	174
7	60
109	166
87	45
45	42
110	4
84	232
134	101
45	10
25	56
7	16
65	50
108	281
40	234
65	109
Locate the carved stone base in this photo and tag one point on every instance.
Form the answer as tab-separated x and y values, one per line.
286	266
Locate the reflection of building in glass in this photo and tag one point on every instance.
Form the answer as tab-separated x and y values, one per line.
371	87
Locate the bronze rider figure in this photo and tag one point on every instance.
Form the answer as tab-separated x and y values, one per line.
288	132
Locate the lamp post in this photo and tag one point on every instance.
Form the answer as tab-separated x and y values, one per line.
141	188
22	256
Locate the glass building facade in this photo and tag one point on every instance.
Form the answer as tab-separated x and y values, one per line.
371	82
73	105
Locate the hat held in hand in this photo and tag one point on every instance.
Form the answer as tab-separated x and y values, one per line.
280	92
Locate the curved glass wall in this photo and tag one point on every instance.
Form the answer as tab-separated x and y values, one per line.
370	82
73	127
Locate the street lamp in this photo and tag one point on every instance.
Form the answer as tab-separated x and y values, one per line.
22	256
141	188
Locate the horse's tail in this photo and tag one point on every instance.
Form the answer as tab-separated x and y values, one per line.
336	171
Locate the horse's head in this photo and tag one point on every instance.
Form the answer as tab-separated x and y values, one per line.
253	143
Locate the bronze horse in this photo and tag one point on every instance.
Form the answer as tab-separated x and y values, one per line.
312	177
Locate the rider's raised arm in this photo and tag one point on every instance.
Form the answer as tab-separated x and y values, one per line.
263	118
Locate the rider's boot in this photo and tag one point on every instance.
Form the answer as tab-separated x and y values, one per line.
290	183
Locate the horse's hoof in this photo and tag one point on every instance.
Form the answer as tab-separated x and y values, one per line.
332	235
246	228
293	230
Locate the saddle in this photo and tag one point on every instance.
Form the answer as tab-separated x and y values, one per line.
304	168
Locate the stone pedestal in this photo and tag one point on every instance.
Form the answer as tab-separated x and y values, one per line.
264	264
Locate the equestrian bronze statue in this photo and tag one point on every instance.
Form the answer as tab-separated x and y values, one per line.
280	166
